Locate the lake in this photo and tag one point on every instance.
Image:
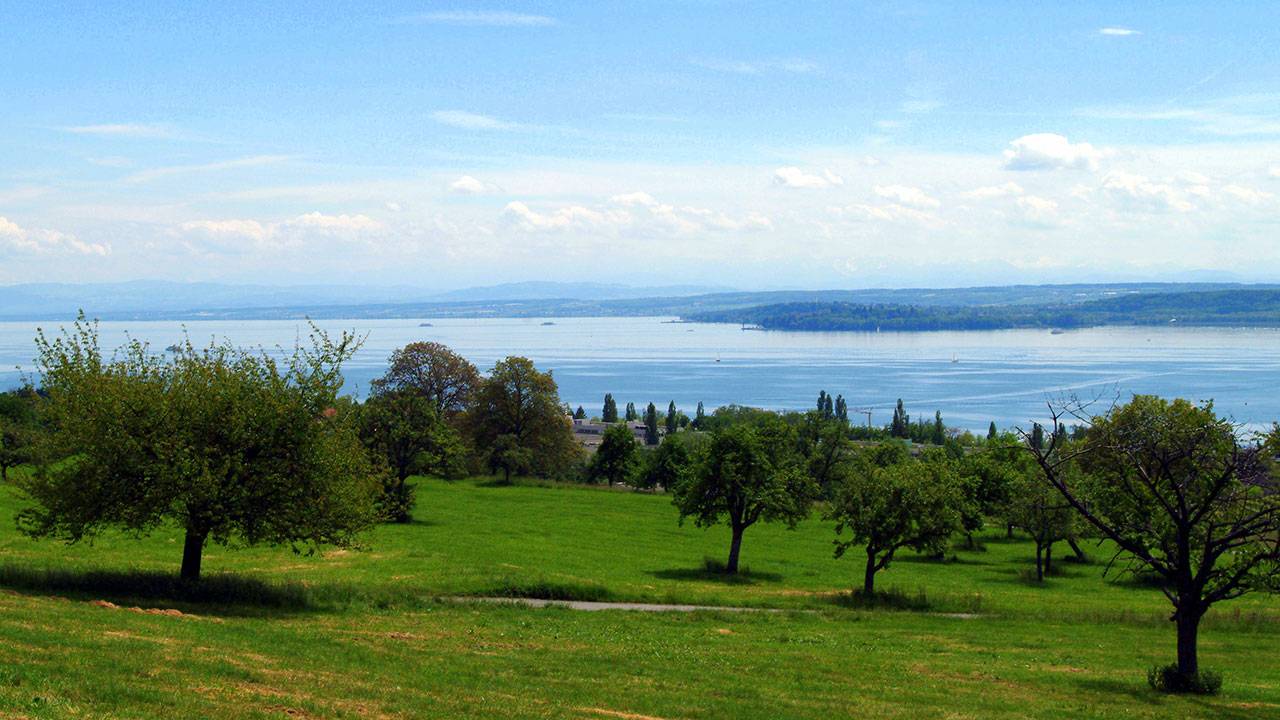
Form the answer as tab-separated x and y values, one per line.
972	377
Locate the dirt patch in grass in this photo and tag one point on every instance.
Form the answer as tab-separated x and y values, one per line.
619	714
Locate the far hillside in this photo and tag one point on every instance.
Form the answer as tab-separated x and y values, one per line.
1218	308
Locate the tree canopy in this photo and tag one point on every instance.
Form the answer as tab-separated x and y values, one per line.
521	404
1174	487
749	472
888	503
228	444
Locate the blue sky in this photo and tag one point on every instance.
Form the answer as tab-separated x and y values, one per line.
756	145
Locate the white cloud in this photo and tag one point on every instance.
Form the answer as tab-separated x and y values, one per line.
905	195
1274	172
472	121
994	191
634	199
335	223
1118	31
1041	151
251	229
467	185
1038	210
138	130
757	67
274	235
1247	194
1140	193
633	214
163	172
565	217
480	18
794	177
40	240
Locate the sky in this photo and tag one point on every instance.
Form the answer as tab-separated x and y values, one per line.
752	145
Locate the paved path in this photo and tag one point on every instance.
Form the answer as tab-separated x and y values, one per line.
592	606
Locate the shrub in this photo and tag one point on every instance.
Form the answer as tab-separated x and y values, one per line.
1166	678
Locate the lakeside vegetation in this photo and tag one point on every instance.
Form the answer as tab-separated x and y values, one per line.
1229	308
234	459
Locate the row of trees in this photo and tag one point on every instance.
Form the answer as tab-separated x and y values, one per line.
1176	489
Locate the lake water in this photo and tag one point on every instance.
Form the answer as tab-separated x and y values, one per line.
972	377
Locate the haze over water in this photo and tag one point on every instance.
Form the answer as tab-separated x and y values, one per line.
972	377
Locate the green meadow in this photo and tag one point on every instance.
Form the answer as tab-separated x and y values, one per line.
104	629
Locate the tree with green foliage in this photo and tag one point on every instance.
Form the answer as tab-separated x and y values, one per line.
1041	511
228	444
673	422
404	430
651	425
609	413
1172	485
617	460
699	416
19	428
899	427
632	415
992	434
1036	440
842	409
669	463
750	472
518	401
909	504
433	371
580	413
939	430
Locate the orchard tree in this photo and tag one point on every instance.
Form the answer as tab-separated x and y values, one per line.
518	401
19	429
1172	485
433	371
1040	510
617	459
404	430
226	443
750	472
909	504
669	464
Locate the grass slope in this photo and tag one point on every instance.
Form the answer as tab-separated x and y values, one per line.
101	631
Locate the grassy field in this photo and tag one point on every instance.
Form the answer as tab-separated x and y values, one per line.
101	630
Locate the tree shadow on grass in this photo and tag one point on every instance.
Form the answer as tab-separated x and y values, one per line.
744	576
1145	694
222	594
933	560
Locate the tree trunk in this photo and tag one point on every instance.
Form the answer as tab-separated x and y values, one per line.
4	473
735	547
869	575
1048	558
1008	531
192	548
1075	548
1188	620
1039	561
